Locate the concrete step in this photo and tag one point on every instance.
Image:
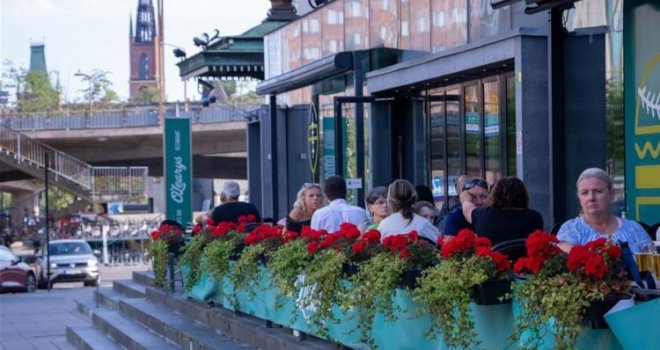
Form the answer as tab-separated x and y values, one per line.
109	298
89	338
248	329
128	333
144	278
178	329
129	288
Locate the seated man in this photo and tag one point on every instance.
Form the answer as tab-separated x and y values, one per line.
338	211
455	220
231	208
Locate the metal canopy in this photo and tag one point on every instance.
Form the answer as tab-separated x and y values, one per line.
307	74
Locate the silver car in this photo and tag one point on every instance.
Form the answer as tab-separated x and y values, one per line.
71	260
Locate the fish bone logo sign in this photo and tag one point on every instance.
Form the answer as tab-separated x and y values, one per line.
306	301
647	107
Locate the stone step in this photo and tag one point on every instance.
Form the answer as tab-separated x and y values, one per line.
129	288
109	298
178	329
128	333
248	329
144	278
89	338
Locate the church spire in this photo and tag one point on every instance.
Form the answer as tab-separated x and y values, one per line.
145	29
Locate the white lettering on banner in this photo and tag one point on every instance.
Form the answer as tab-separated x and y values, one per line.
178	187
177	140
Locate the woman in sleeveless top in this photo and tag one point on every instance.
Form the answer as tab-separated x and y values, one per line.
309	199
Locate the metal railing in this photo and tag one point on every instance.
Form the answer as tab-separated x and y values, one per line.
124	181
27	150
98	181
122	118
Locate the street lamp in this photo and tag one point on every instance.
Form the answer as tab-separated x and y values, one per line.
90	89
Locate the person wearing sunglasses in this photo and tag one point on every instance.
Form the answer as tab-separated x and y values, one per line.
508	216
477	189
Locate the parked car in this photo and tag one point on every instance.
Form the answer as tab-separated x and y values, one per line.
71	260
15	275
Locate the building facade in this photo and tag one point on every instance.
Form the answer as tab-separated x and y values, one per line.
429	90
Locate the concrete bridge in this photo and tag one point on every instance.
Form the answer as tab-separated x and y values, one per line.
135	138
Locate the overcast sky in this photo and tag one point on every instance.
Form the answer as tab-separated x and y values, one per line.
93	34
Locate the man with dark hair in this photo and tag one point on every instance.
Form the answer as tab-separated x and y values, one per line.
338	211
231	208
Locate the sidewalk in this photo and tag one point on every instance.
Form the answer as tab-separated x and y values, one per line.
38	320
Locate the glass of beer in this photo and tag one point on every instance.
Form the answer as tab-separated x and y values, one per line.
645	262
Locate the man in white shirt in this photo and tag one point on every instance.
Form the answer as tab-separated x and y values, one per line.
338	211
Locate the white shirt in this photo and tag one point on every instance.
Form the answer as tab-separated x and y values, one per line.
396	224
338	211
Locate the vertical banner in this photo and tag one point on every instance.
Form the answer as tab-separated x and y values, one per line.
178	170
329	148
642	109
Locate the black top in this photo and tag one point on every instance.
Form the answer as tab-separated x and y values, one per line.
454	222
297	226
501	225
232	210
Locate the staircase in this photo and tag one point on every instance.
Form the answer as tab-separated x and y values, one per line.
133	315
68	173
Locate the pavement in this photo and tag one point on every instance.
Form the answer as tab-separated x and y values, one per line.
38	320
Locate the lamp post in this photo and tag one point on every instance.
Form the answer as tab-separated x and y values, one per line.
90	89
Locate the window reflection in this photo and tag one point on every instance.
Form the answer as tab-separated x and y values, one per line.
492	145
472	131
448	24
486	22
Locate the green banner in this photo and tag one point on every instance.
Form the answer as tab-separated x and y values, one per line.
642	100
329	149
178	170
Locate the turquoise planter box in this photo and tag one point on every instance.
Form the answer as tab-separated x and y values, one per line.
493	323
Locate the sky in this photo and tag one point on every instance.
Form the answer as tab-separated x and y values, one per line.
87	35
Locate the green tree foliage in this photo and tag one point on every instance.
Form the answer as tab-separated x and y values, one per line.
39	94
148	96
615	125
99	89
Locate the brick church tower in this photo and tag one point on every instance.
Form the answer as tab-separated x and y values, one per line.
143	50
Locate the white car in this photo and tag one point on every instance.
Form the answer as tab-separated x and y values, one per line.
71	260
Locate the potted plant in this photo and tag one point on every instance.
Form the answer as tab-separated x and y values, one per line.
260	244
167	239
223	239
445	290
565	288
417	254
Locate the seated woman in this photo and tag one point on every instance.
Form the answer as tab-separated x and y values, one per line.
309	199
401	196
594	190
508	216
377	206
426	210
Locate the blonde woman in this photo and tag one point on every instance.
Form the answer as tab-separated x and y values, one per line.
309	199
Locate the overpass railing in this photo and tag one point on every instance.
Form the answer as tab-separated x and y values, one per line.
121	118
27	150
119	181
95	181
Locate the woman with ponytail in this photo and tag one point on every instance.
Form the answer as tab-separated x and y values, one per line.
401	197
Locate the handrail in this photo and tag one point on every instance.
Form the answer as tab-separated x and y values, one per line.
26	149
98	181
121	118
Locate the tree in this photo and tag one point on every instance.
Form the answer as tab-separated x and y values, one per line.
148	96
99	88
34	91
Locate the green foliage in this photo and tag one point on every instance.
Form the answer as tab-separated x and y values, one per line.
191	257
38	95
244	272
148	96
374	286
286	263
158	253
216	254
324	276
541	299
99	89
444	293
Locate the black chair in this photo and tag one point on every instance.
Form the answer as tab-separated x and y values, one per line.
555	228
513	248
652	231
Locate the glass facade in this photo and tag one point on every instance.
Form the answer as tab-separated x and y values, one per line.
469	134
346	25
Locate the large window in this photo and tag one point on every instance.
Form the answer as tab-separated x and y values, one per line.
472	132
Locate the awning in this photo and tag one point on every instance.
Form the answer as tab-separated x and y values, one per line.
307	74
224	63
